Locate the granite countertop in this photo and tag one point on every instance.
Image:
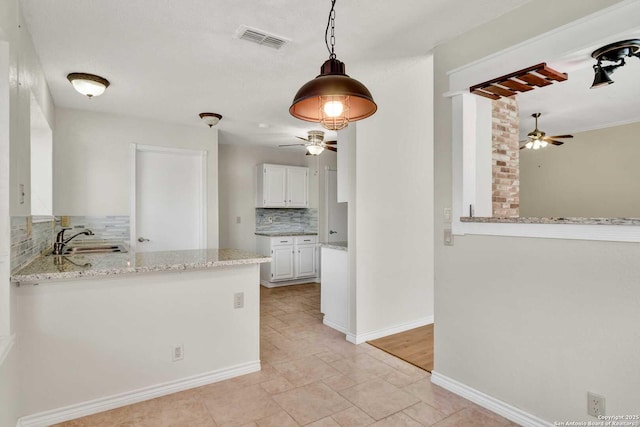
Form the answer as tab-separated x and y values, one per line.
341	246
51	267
286	233
556	220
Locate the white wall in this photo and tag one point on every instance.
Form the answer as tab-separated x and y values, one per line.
41	162
394	198
237	166
533	322
595	174
20	76
92	151
89	339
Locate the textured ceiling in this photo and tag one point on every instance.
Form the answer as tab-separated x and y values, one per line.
170	60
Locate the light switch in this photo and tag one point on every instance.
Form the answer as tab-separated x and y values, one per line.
448	237
447	215
238	220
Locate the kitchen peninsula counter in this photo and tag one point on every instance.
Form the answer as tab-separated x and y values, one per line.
62	267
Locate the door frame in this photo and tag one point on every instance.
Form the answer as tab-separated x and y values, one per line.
135	148
327	169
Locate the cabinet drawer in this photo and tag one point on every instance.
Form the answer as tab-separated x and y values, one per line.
306	240
283	240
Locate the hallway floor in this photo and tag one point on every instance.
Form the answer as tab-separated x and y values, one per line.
311	376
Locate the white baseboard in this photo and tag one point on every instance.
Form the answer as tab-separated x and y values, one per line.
270	285
491	403
91	407
374	335
334	325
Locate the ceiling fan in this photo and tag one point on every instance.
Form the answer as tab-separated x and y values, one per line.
315	143
538	139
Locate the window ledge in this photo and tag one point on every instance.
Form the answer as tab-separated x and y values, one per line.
5	347
602	229
553	220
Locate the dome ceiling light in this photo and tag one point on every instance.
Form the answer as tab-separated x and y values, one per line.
210	119
616	54
332	99
89	85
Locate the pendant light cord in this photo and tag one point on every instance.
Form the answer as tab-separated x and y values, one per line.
331	23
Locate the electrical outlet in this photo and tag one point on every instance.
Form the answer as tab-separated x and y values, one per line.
177	353
448	237
595	405
22	194
238	300
270	219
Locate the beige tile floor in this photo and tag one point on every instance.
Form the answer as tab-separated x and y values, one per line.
310	376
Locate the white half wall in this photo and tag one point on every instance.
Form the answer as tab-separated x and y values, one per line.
88	339
394	198
535	323
92	173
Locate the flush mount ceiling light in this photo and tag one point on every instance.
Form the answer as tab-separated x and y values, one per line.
89	85
210	119
332	99
616	54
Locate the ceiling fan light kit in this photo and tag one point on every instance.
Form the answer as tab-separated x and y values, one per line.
89	85
210	119
616	54
314	143
537	139
315	150
333	99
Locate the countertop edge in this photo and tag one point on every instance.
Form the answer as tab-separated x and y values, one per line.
339	246
34	278
553	220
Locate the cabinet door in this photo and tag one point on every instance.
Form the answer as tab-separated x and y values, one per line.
275	184
281	263
298	187
306	261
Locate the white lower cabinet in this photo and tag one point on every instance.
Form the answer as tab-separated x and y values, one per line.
292	258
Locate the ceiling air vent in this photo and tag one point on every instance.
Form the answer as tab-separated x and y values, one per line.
260	37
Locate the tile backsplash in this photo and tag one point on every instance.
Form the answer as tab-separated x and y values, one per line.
286	220
27	244
103	227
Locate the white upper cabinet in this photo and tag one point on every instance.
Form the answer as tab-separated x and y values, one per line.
297	187
281	186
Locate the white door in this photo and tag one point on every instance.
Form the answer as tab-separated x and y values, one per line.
297	187
170	199
306	261
282	263
275	184
337	213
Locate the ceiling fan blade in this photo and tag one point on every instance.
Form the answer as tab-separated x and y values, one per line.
554	142
292	145
524	146
304	139
560	136
331	148
331	142
307	153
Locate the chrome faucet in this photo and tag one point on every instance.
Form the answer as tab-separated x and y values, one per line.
60	242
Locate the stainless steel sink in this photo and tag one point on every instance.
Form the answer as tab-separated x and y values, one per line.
94	249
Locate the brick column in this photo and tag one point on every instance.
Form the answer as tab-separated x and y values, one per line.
505	158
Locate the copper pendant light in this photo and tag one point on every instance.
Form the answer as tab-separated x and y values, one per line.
333	99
